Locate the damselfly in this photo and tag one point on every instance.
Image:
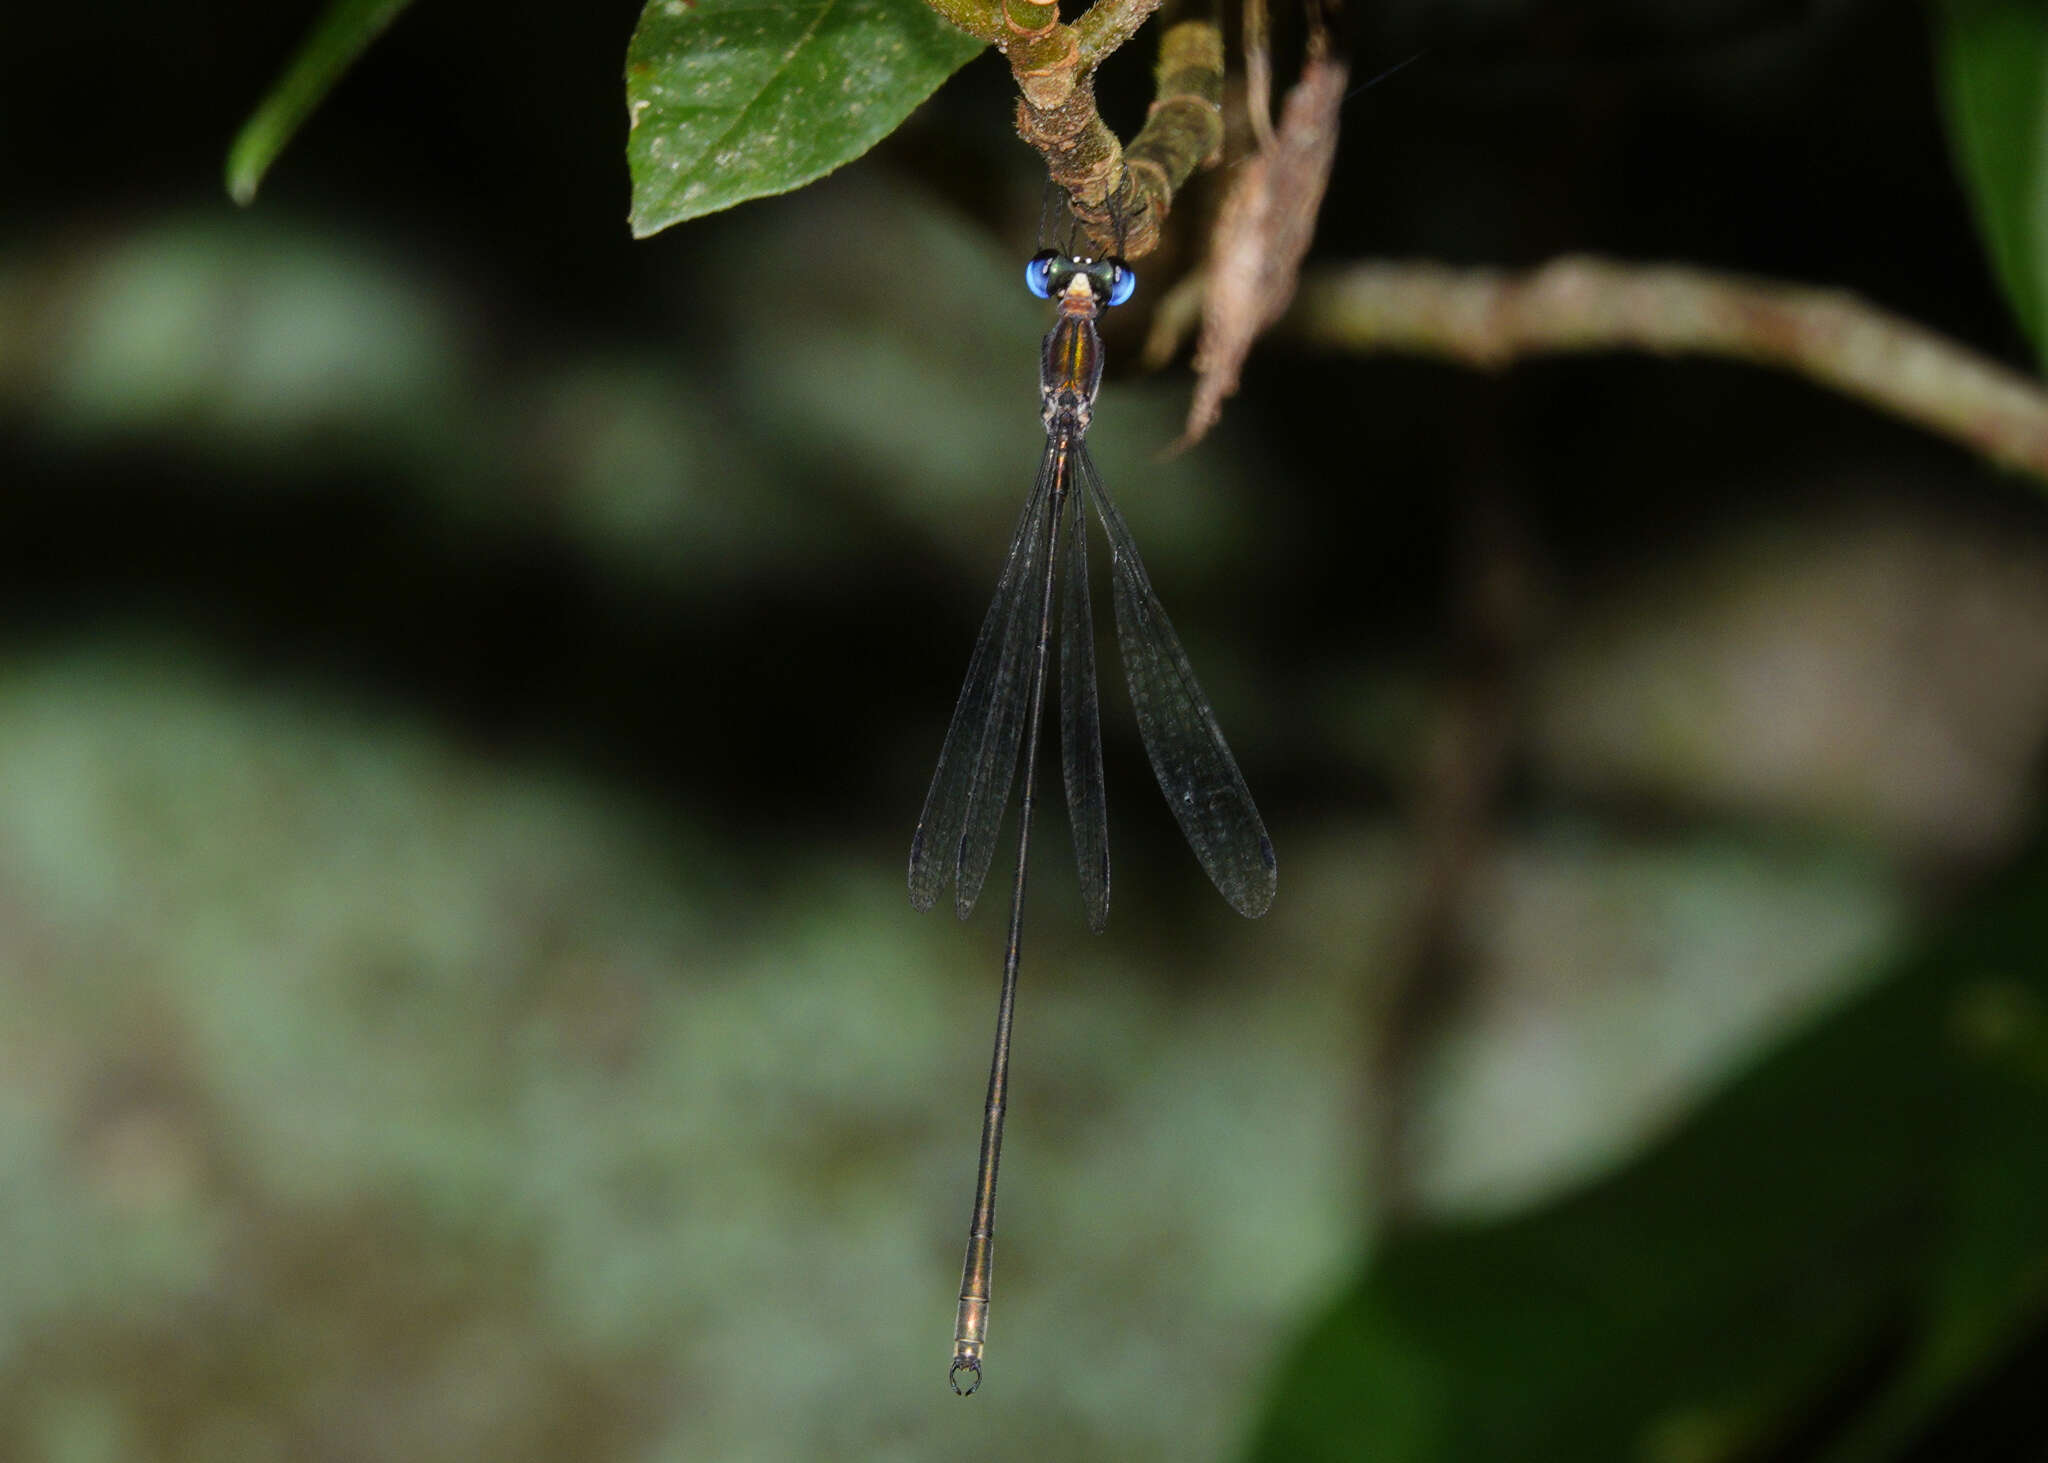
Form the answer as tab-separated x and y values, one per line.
1001	703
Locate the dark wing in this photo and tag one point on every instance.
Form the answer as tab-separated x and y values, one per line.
1081	721
1189	756
963	812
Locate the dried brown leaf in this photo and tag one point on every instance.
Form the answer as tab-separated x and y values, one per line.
1262	234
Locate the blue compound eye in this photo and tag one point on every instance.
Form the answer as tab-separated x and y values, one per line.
1038	273
1110	281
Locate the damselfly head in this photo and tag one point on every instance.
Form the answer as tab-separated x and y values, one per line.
1051	273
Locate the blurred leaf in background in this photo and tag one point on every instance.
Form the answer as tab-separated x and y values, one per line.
365	1096
337	41
1829	1255
1994	74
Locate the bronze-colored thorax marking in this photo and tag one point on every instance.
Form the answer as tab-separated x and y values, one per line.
1071	371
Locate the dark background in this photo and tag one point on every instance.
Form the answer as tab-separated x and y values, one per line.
469	679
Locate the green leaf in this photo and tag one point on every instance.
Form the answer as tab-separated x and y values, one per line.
1994	74
343	33
732	100
1823	1262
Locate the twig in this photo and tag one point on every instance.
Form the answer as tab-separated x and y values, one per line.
982	19
1122	195
1045	56
1489	319
1258	73
1107	25
1183	130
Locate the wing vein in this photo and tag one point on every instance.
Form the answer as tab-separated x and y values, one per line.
1189	756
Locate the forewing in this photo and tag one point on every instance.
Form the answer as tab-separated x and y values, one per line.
1081	721
988	793
1186	747
985	719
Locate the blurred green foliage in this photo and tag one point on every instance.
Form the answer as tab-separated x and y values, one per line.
1994	73
466	681
341	1064
340	37
562	1123
727	102
1836	1248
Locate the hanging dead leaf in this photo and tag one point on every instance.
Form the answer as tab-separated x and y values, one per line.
1262	234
